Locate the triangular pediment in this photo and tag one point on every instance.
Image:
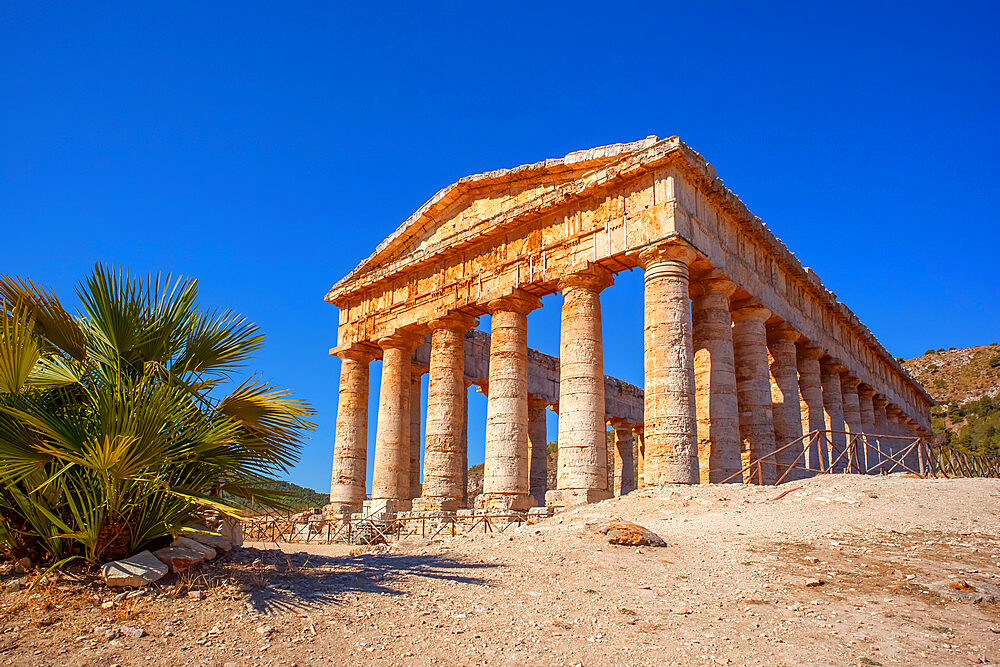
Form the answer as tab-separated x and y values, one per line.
472	202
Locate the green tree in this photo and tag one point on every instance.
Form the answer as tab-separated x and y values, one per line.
114	428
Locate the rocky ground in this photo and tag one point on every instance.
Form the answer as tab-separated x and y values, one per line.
837	571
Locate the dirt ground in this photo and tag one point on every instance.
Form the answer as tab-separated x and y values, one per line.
842	570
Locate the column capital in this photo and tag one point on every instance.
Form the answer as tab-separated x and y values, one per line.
455	321
750	311
360	352
831	365
864	391
673	249
518	301
782	331
594	278
879	401
715	283
848	381
893	411
401	340
809	351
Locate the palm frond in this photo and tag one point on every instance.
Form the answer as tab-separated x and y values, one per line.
56	325
19	348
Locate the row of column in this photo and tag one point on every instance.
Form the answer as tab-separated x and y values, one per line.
726	383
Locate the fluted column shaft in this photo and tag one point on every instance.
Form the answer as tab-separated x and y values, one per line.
465	444
505	483
785	405
538	451
350	452
624	480
811	401
833	410
671	422
444	456
753	388
881	428
715	381
391	477
639	457
415	439
852	403
865	395
582	474
852	413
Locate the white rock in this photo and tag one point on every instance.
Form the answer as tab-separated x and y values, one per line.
139	570
187	543
217	542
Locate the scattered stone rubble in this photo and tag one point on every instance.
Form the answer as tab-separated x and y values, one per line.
193	548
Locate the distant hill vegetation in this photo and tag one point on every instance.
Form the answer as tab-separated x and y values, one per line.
966	383
299	497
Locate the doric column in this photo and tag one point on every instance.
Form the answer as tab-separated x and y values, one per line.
415	440
465	444
833	410
505	483
624	480
639	456
912	458
785	405
350	452
881	428
538	451
893	445
582	475
391	477
671	423
852	412
811	401
444	457
715	380
867	444
753	388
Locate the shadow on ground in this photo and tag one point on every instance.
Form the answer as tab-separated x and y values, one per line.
276	582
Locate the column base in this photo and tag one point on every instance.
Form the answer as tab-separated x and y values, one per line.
571	497
436	504
340	511
386	506
503	501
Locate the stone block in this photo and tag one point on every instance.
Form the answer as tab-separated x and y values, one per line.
217	542
207	552
139	570
179	559
435	504
503	501
570	497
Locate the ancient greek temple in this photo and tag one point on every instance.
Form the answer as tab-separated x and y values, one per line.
745	350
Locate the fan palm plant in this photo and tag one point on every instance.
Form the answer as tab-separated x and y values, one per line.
114	429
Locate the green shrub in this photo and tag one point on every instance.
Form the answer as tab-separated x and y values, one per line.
930	351
113	432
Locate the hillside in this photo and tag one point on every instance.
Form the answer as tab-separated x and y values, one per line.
966	384
298	497
958	374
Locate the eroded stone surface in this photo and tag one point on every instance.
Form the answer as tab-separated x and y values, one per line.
139	570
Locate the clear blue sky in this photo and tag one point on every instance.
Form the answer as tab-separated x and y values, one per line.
266	149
